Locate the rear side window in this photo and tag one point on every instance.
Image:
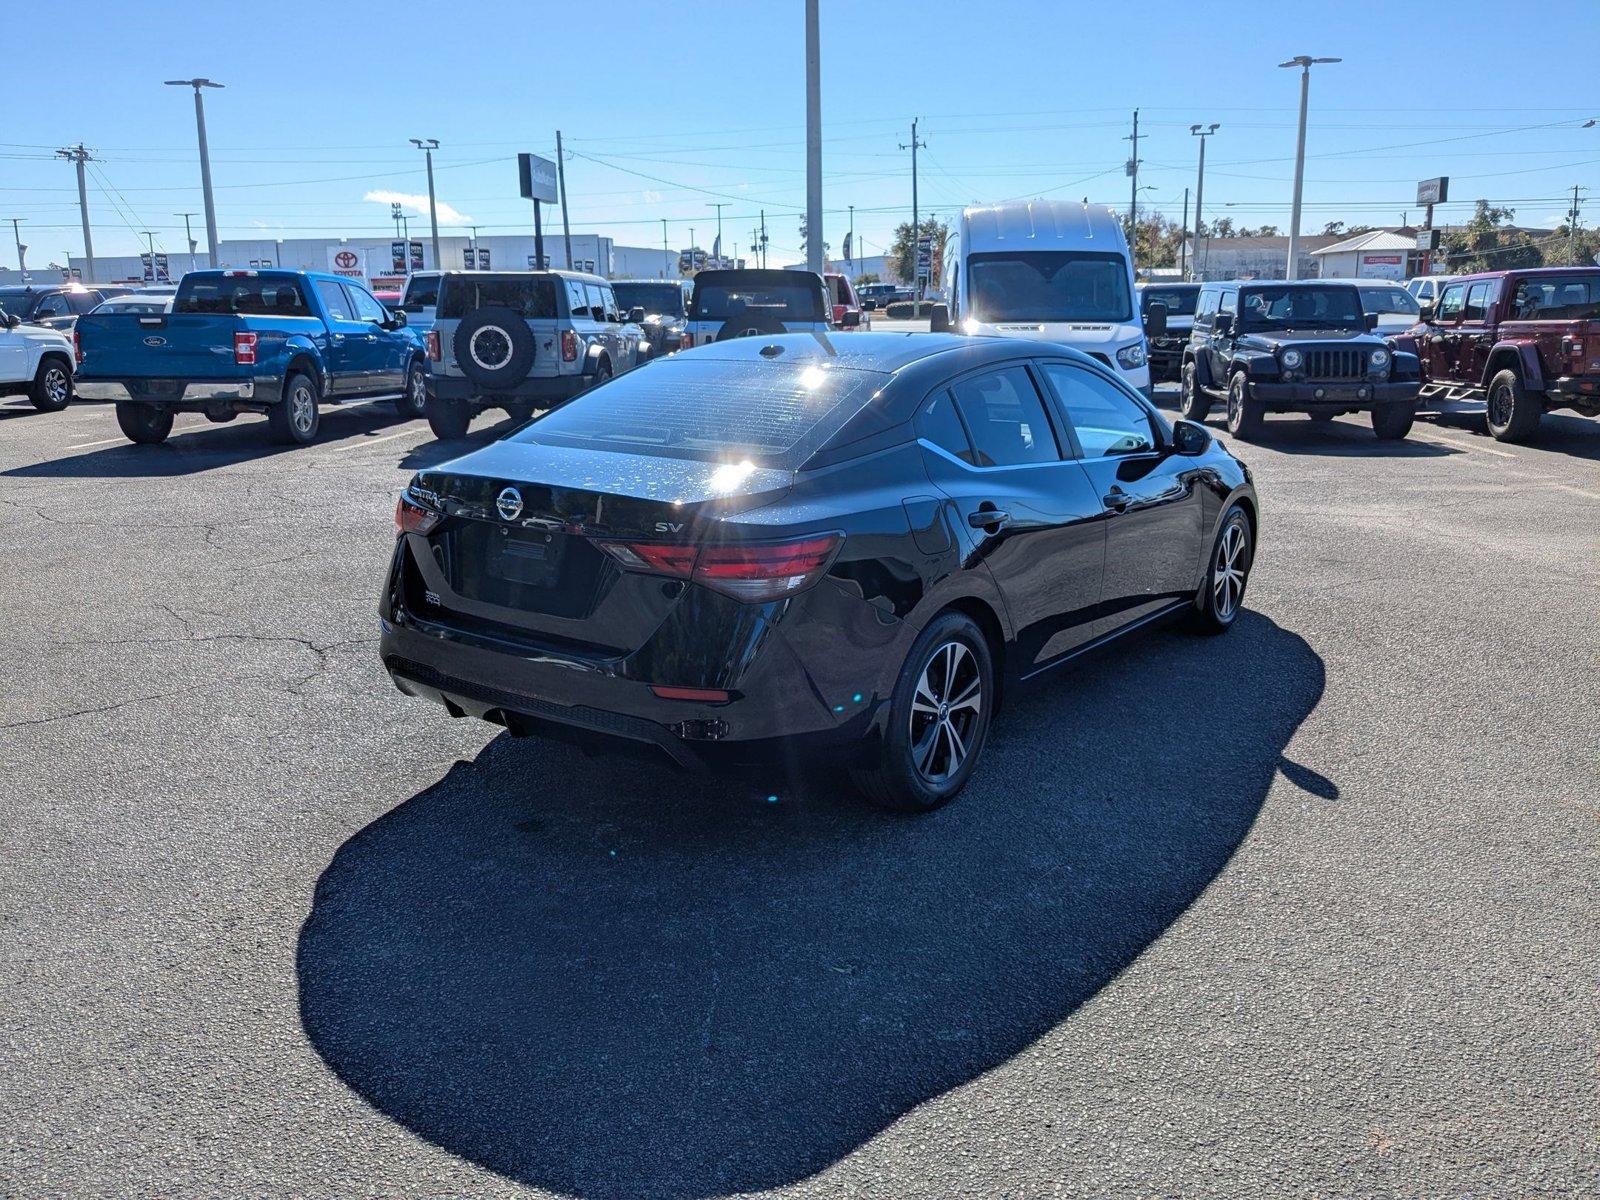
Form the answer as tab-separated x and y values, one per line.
939	423
1005	418
533	296
243	295
1565	299
714	410
1107	421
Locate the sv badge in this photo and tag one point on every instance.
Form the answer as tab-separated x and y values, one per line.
668	527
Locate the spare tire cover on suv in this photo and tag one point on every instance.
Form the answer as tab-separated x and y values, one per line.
494	346
750	324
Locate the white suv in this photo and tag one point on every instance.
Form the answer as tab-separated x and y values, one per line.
35	362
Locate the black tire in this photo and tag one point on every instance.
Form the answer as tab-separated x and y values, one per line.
1322	418
915	744
1244	413
1512	413
413	401
494	347
1193	404
295	419
51	390
602	373
146	424
749	324
1221	594
448	418
520	410
1391	422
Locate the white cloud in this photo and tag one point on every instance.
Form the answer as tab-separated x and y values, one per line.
651	197
417	206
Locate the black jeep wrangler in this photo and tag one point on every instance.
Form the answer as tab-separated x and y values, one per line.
1298	346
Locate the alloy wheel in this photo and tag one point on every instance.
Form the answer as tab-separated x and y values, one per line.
419	390
1228	577
1500	406
302	409
55	385
490	347
945	712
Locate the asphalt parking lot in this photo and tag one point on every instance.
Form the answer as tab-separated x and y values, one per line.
1308	909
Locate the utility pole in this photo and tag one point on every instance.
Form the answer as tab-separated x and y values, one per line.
814	235
428	146
852	256
1201	132
719	206
763	238
1304	62
22	251
1572	227
1183	240
666	252
916	222
1133	198
561	182
188	235
205	159
77	156
394	215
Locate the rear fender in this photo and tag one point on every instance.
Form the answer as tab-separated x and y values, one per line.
300	354
592	358
1523	357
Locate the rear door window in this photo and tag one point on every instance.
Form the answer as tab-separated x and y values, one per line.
1005	418
1480	296
532	297
940	424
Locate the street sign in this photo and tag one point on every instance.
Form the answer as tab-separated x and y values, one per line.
483	258
397	252
162	274
537	177
469	258
924	258
149	266
416	256
1427	239
1433	191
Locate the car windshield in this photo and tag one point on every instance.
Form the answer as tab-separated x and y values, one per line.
772	414
1568	298
245	295
422	291
1179	301
781	301
1389	300
657	299
16	300
1049	285
1301	308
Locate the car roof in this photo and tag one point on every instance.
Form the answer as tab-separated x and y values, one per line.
1042	224
584	276
885	352
1265	283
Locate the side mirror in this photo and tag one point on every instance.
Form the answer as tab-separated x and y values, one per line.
939	318
1223	324
1155	320
870	305
398	319
12	320
1426	315
1190	438
1372	321
852	319
636	314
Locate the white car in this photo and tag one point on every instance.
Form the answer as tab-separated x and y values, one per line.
35	362
1396	309
145	303
1427	288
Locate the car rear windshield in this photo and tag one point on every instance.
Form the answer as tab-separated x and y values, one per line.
1179	301
657	299
1389	300
534	296
1049	285
800	300
1564	299
243	295
1301	308
713	410
422	291
16	302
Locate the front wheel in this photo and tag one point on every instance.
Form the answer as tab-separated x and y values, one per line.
1512	412
448	418
146	424
1391	422
413	401
1192	402
294	420
52	386
1221	593
938	719
1244	413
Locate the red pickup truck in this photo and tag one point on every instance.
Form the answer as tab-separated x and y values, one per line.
1512	345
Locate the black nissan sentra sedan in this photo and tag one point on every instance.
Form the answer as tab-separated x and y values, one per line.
781	540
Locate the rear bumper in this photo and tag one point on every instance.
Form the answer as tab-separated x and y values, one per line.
1313	396
546	388
187	391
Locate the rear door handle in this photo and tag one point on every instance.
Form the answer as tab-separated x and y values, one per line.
988	518
1116	499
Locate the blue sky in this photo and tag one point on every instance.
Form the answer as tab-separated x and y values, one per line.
669	108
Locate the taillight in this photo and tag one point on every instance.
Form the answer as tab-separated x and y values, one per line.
244	349
686	342
435	354
411	517
754	572
77	346
838	314
569	346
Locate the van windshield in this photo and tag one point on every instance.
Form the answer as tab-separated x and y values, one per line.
1049	285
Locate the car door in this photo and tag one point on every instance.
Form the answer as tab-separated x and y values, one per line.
348	352
1151	498
1439	344
622	339
13	355
1029	516
387	351
1219	346
1475	333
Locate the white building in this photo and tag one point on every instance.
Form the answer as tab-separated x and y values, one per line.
1377	254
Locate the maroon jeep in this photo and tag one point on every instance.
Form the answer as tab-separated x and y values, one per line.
1512	345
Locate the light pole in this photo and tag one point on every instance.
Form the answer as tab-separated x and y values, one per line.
428	146
77	155
814	235
850	258
719	206
205	159
16	232
1304	62
1201	132
150	242
188	234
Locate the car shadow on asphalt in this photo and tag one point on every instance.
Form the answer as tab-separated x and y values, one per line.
192	451
1335	439
1559	433
608	981
431	454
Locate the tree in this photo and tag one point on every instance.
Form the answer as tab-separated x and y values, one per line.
866	277
1157	240
902	251
804	235
1339	229
1487	242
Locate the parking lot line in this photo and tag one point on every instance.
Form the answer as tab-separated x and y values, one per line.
372	442
101	442
1471	445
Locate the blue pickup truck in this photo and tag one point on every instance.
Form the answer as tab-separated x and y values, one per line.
275	342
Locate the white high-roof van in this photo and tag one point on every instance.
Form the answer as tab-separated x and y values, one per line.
1051	270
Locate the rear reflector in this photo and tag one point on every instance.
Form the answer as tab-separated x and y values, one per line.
703	695
411	517
244	349
754	572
